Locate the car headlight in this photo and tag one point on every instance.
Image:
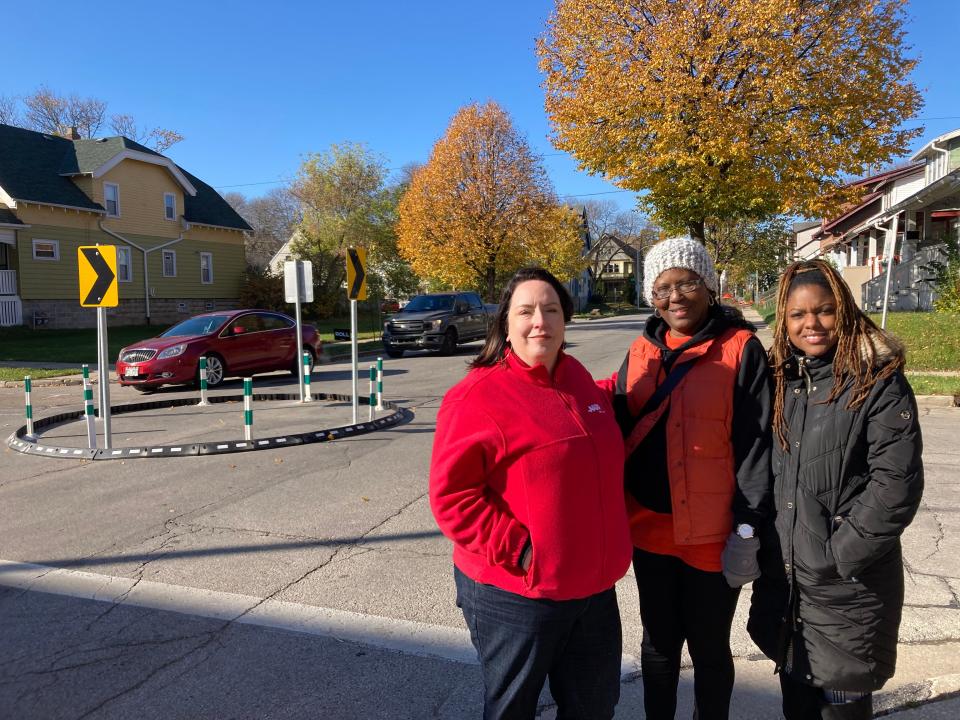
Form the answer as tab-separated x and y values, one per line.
172	351
386	327
436	323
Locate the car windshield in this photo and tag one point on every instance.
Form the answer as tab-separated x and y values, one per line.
203	325
426	303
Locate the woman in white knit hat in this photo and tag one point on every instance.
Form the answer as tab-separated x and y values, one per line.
692	399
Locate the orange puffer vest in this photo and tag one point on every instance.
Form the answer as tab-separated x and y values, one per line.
699	450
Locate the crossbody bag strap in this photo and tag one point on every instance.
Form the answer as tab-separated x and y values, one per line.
662	392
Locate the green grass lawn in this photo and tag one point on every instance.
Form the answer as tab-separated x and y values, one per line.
18	373
932	339
67	346
934	385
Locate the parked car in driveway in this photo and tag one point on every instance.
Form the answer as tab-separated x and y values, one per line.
390	306
235	343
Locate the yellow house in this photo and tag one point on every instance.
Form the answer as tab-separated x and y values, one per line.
180	246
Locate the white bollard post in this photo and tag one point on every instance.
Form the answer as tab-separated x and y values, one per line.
88	410
29	405
307	397
379	384
373	392
248	408
203	382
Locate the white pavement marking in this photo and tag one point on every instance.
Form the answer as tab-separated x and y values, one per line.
405	636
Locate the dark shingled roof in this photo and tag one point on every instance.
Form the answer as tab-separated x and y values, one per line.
208	208
87	155
8	218
35	167
30	169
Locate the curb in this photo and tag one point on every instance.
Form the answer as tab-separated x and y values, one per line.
916	695
929	401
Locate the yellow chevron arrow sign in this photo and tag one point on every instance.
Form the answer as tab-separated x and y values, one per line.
98	275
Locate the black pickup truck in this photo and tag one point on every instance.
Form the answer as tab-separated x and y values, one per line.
439	321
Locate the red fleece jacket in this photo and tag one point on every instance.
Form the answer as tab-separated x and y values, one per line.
519	455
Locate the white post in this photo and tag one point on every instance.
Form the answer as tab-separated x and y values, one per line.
88	409
29	405
372	396
103	374
380	384
354	368
203	382
247	408
889	247
305	371
299	331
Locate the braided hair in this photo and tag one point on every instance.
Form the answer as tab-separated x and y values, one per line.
855	363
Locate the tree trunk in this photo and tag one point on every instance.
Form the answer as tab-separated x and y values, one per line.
696	228
491	284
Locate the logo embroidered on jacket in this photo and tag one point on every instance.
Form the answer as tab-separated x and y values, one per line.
594	408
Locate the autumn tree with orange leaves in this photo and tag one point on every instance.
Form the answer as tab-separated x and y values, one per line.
483	206
721	110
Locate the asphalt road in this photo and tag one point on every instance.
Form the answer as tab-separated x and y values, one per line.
311	581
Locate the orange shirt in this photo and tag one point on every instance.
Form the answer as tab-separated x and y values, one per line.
653	532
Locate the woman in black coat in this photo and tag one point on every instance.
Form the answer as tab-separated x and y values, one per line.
847	482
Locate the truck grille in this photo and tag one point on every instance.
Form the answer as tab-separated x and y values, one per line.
137	355
406	327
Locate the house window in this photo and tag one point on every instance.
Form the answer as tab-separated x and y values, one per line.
124	264
206	268
169	263
169	206
111	198
46	250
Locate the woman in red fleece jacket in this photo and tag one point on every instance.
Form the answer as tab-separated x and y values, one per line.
527	480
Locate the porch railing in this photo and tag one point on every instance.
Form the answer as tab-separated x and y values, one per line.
910	286
10	312
8	282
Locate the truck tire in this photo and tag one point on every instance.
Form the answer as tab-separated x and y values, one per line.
449	345
395	353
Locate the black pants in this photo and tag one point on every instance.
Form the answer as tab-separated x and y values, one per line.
522	643
805	702
679	603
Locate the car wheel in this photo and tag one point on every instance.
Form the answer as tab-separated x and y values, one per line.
295	370
449	345
216	370
395	353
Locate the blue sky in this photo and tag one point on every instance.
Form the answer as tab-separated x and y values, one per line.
254	86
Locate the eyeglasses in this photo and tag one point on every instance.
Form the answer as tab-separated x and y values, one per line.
685	288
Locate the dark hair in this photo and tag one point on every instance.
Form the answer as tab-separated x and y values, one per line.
493	349
855	335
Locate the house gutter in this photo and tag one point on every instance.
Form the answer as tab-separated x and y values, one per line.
145	251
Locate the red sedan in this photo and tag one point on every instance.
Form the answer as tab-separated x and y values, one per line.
235	343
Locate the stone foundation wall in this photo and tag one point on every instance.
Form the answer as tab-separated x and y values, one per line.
58	314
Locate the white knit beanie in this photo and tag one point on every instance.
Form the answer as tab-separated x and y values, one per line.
678	252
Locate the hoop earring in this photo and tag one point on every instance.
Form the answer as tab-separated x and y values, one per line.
712	300
656	313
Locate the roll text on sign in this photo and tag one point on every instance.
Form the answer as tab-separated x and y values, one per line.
98	275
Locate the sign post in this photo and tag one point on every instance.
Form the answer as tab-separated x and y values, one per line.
356	290
97	265
298	288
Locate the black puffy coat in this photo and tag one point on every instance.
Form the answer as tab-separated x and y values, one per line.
827	608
